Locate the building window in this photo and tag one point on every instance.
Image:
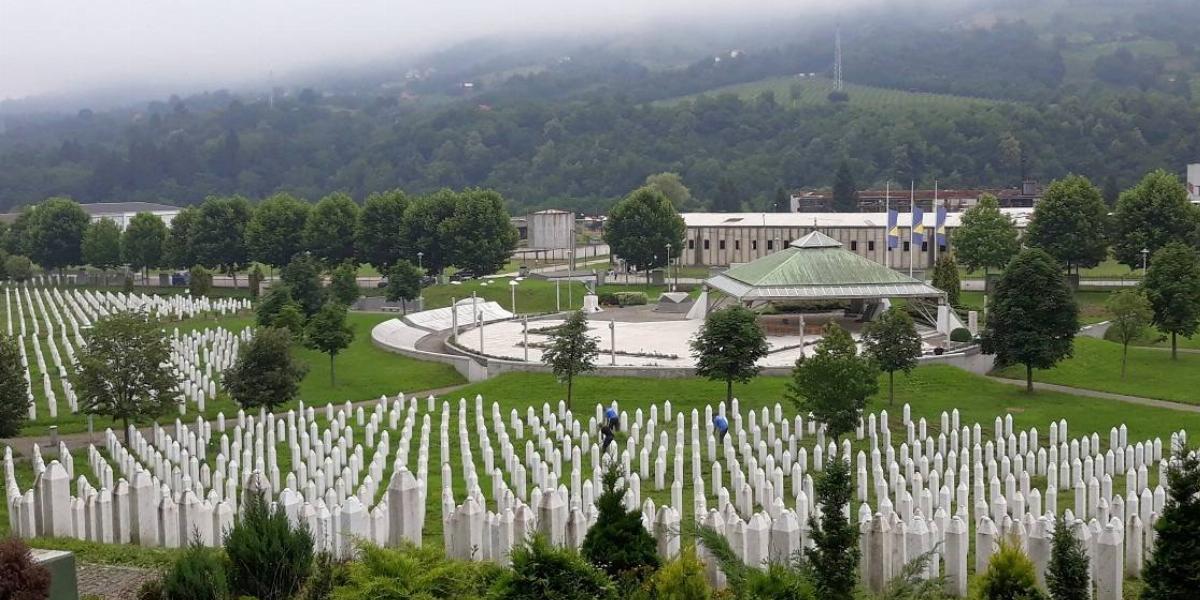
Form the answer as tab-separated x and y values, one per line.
754	244
924	246
870	245
720	244
853	245
706	244
941	247
906	247
691	244
737	244
770	244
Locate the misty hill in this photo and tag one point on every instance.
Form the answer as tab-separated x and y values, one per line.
979	98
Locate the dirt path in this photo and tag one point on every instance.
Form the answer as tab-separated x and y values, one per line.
111	582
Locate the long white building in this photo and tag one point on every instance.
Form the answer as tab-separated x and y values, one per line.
722	239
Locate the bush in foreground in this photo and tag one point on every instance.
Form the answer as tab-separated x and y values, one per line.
1009	576
682	578
618	542
412	572
20	577
268	559
198	574
540	571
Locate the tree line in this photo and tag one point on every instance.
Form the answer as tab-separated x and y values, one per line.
469	229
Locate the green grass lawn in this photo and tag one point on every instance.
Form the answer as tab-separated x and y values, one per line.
1091	304
1109	269
814	91
1097	366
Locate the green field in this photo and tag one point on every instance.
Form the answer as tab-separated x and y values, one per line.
1097	366
814	91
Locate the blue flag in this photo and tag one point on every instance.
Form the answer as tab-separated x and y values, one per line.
939	229
918	225
893	228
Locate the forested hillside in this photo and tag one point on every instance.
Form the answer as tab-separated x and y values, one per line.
579	129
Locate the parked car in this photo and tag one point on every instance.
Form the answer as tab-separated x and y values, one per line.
463	275
179	279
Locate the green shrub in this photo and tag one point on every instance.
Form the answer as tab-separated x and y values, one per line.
632	298
277	297
541	571
199	281
151	590
607	298
268	559
961	334
1067	573
412	572
20	577
682	578
780	581
198	574
1009	576
327	574
618	542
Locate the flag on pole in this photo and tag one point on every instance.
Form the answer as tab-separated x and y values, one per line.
893	228
940	227
918	226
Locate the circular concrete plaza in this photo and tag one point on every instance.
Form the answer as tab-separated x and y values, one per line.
643	338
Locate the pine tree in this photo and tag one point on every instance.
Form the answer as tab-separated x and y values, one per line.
945	278
1067	573
835	552
1171	572
618	542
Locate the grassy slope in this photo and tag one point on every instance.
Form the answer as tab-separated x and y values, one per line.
1097	366
815	91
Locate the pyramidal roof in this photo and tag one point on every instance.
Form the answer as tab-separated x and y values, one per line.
817	266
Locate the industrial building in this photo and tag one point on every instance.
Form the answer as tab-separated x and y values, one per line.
955	199
722	239
119	212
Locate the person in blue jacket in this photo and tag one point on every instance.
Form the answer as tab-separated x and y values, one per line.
722	427
614	420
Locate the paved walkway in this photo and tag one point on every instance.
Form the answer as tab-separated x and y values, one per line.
112	582
1053	387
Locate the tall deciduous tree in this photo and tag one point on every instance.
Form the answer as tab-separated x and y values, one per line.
671	186
328	332
303	278
835	383
480	233
640	227
329	231
1034	315
343	284
1131	315
1067	574
218	237
728	347
404	283
572	351
379	239
124	370
102	244
987	238
265	374
1151	215
178	247
1172	285
273	235
845	190
945	278
1071	223
1171	572
893	343
143	242
18	268
14	392
423	230
56	233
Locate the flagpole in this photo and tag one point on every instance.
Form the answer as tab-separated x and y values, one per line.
912	224
935	222
887	215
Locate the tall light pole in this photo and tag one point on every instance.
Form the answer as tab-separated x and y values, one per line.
669	268
525	333
612	348
1145	253
512	285
420	285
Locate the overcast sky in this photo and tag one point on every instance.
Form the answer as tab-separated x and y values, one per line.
53	46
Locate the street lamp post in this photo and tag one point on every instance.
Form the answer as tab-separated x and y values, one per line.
420	286
612	347
1145	253
525	333
669	267
512	285
557	295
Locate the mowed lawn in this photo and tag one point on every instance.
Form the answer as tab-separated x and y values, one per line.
1151	373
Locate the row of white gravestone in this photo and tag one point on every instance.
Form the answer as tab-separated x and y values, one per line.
557	438
56	311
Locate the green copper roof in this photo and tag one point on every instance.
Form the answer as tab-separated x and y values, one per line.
816	266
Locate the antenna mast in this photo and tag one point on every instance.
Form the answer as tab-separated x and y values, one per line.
837	60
